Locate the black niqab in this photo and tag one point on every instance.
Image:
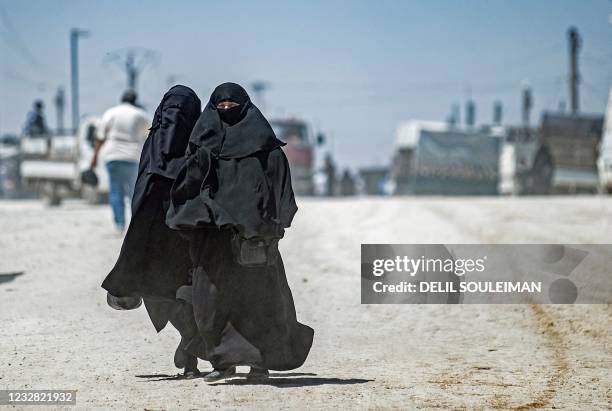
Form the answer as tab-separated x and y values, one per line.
236	132
172	125
236	94
236	174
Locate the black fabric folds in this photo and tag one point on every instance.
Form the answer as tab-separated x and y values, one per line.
245	316
236	179
236	174
154	260
233	178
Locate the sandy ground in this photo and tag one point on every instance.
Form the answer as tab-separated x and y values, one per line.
58	333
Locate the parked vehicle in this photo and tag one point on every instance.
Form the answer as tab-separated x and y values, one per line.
52	166
374	181
604	161
300	150
527	166
10	179
573	141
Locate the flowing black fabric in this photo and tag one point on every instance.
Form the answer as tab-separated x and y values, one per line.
235	175
245	316
236	179
154	260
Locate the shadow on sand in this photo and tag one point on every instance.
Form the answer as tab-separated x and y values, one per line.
279	380
8	277
295	382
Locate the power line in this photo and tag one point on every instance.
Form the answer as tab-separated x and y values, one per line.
40	85
17	42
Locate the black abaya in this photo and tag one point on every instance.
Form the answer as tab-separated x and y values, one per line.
236	181
154	260
245	315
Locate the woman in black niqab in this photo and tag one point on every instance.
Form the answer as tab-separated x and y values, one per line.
234	186
154	260
235	166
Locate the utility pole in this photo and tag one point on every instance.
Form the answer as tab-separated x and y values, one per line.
60	103
470	114
526	104
133	61
74	73
574	77
132	71
497	113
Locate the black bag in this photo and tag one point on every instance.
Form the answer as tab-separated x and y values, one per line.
89	177
123	303
254	252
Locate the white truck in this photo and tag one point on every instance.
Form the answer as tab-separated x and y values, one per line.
604	161
52	166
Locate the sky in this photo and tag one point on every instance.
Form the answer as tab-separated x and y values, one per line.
352	69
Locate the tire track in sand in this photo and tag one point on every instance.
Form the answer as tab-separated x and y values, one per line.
545	325
560	367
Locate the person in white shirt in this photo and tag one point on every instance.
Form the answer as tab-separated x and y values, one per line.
120	137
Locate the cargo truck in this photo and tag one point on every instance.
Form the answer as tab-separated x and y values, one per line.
299	150
51	166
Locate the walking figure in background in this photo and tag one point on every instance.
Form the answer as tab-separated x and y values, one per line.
36	126
120	136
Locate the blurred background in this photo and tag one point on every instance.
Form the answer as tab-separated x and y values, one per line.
406	122
385	98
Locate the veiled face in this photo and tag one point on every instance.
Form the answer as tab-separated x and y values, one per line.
229	92
231	102
226	105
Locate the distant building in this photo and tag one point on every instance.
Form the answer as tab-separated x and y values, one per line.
435	158
374	180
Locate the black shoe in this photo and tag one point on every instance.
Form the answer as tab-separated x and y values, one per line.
182	357
217	374
190	373
257	374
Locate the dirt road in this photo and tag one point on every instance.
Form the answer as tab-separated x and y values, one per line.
58	333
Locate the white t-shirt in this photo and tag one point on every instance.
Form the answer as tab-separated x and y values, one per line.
124	127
